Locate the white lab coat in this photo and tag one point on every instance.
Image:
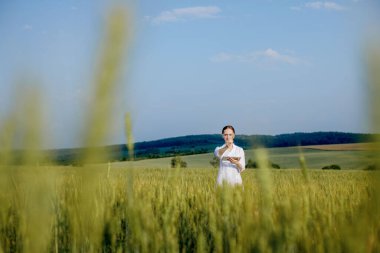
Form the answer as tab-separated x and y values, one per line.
228	171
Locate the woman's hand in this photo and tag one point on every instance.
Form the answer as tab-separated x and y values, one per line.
236	162
232	160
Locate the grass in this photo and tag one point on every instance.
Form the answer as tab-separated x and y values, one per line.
365	146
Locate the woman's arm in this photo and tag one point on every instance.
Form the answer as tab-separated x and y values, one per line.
222	150
219	151
240	164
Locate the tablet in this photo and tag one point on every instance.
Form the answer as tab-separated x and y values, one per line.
234	157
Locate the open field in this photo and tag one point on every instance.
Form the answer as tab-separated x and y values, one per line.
92	209
344	147
348	156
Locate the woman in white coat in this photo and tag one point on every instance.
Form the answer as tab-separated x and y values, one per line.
231	159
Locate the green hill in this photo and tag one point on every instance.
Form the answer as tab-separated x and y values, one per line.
193	144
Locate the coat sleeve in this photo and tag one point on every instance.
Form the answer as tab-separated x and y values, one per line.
216	152
242	159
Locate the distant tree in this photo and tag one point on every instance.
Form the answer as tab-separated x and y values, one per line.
177	162
214	162
332	167
253	165
371	167
183	164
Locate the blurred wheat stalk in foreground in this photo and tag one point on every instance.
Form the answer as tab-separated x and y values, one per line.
34	199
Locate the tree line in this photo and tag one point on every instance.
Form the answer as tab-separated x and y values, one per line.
196	144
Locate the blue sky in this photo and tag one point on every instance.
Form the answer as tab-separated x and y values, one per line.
266	67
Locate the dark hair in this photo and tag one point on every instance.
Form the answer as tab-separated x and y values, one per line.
228	127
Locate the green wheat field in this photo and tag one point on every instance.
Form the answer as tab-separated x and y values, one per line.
100	209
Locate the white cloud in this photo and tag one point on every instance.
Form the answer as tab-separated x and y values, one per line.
274	55
295	8
268	55
28	27
325	5
319	5
182	14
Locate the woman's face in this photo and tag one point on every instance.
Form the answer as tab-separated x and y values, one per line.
228	135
